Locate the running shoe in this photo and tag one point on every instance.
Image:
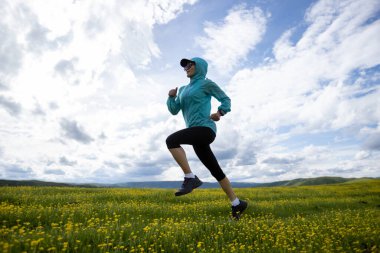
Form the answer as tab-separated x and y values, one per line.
188	185
239	209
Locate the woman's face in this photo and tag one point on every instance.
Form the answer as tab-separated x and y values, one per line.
190	71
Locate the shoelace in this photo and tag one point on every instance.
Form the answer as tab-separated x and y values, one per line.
187	180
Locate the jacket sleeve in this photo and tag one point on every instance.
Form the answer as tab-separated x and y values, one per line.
214	90
174	103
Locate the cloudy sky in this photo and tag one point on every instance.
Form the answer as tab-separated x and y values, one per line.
83	87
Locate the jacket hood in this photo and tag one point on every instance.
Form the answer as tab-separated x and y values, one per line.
200	69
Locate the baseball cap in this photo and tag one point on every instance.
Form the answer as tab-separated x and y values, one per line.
184	62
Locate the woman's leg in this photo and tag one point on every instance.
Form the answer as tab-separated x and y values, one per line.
201	138
174	141
190	136
226	186
208	158
179	155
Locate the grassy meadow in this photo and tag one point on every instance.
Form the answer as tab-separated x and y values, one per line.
329	218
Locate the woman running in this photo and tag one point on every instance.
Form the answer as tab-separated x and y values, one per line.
194	99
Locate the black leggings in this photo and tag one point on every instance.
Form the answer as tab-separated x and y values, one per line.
200	138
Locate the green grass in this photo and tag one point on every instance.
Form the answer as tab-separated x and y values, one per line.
330	218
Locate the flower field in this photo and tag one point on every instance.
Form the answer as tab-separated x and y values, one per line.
329	218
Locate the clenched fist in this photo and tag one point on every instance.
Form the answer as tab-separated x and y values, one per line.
173	92
215	116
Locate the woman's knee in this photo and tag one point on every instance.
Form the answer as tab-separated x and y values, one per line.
219	175
171	142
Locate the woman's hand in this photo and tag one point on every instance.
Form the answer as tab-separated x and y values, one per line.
215	116
173	92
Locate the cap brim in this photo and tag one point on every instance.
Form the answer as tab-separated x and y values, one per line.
184	62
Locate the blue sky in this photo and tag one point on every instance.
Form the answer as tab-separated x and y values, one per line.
83	88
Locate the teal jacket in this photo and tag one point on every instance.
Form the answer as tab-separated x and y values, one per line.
194	99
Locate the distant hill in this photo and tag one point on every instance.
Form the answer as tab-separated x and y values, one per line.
294	182
177	184
310	181
4	182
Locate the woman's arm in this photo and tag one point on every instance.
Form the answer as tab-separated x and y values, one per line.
173	102
214	90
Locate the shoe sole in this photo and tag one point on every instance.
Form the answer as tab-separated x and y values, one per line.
177	194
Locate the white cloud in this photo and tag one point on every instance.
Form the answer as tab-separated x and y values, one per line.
54	172
10	55
372	142
72	130
310	161
323	82
88	108
310	85
71	73
13	108
227	44
14	171
361	155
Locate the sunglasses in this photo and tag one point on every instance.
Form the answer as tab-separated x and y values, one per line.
188	66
